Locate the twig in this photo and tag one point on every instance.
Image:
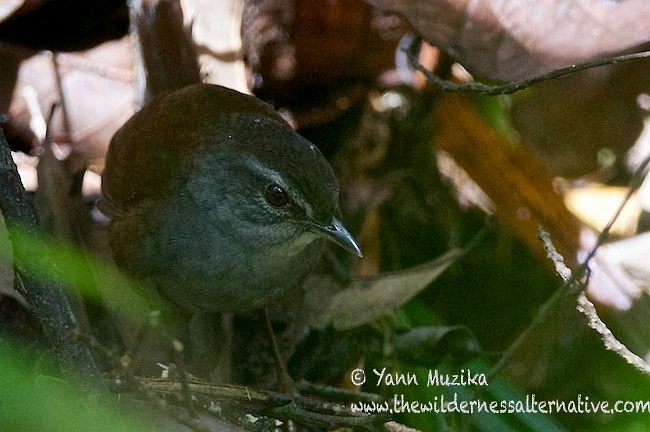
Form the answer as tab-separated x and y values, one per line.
45	297
177	354
571	280
635	183
609	340
130	383
62	97
557	259
516	86
336	393
282	406
285	382
562	270
588	309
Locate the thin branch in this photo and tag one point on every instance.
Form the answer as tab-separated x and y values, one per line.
285	382
129	382
305	411
67	127
588	309
635	183
177	349
609	340
516	86
336	393
283	406
557	259
571	280
45	297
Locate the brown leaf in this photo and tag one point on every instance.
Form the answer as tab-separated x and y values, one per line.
369	298
573	122
511	40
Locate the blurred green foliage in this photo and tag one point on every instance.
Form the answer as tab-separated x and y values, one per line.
31	401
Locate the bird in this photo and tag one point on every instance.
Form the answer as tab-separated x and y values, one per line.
216	202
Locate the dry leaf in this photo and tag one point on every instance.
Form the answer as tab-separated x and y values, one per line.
99	94
369	298
511	39
585	122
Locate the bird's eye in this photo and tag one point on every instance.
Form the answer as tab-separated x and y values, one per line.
276	196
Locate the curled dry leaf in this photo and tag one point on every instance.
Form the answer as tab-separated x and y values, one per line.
511	40
368	298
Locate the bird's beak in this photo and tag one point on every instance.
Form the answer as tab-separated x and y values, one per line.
337	233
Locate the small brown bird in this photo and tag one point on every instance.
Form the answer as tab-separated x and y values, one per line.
216	202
